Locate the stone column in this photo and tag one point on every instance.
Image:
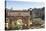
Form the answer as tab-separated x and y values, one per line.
10	24
28	22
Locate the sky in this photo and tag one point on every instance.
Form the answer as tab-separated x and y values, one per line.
23	4
28	0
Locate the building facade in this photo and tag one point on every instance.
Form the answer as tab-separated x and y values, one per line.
18	15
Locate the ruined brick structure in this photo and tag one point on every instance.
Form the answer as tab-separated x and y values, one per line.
14	15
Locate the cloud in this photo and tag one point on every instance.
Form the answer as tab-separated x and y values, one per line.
19	8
